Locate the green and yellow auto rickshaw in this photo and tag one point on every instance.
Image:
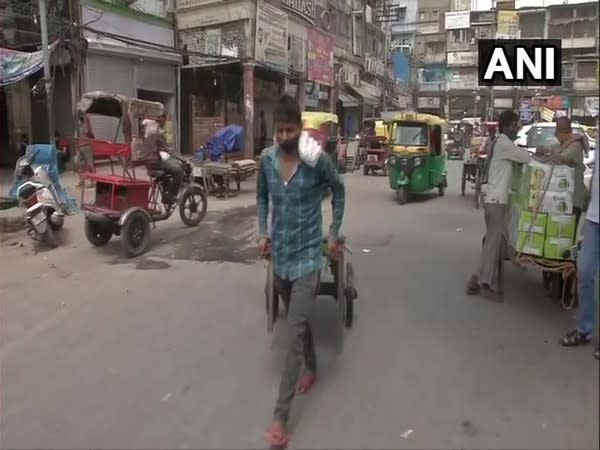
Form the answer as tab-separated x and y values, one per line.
417	160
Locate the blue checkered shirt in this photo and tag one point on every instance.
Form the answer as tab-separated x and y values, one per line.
296	221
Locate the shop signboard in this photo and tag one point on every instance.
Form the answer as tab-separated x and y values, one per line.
297	54
428	102
458	20
304	8
321	48
526	111
271	44
508	25
503	103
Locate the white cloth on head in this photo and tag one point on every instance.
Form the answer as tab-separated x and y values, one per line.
309	150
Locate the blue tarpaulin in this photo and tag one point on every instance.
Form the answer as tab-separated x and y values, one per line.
45	155
401	67
229	139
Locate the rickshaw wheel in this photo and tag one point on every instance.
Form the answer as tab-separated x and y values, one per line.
340	281
350	295
135	234
192	207
442	188
365	170
97	234
402	195
463	182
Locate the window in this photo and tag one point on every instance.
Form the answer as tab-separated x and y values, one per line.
586	69
401	13
460	36
422	16
410	134
568	71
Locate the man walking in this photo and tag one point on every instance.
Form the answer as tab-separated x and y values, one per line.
503	154
587	270
295	183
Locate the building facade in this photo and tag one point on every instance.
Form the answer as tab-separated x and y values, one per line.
430	57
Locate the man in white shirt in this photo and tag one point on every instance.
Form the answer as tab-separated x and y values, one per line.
587	270
504	154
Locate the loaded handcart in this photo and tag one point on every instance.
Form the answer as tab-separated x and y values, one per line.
339	285
542	229
125	205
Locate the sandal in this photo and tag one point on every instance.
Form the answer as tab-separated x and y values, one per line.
473	287
306	383
277	437
575	338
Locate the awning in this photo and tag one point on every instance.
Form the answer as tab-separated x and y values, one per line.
347	100
366	96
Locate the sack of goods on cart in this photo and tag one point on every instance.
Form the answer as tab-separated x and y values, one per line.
542	223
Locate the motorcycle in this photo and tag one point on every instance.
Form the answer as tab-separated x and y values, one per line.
36	193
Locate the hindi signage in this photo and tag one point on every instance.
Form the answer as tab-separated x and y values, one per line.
271	44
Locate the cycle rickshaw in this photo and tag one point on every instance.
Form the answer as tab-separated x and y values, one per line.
125	205
473	169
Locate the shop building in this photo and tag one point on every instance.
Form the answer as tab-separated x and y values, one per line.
132	52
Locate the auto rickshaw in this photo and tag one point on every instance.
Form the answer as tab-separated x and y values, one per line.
417	161
373	146
323	127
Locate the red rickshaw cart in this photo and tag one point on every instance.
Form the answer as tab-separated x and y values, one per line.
125	205
373	143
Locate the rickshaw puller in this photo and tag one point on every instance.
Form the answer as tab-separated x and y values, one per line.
294	181
155	162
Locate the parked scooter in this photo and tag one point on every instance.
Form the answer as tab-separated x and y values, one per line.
44	213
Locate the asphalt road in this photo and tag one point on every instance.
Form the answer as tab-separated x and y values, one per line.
171	350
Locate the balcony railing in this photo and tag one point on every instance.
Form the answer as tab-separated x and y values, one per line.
458	46
585	85
432	86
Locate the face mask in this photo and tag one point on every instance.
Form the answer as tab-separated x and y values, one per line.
290	145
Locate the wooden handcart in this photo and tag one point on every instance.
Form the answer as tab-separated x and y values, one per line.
341	287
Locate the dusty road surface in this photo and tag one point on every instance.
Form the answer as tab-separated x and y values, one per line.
171	350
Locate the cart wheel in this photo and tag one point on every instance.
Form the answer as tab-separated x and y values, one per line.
350	295
192	207
97	234
402	195
340	279
365	170
271	298
135	234
463	182
478	192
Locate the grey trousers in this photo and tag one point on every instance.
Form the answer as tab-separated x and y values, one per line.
299	296
491	268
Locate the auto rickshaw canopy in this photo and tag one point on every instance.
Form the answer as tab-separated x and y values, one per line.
315	120
428	119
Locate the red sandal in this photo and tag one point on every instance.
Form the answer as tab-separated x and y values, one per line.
306	383
277	437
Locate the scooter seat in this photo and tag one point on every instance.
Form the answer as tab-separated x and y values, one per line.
156	173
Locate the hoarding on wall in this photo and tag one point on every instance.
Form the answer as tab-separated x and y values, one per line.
508	25
458	20
321	48
297	54
428	28
526	111
461	59
428	102
554	102
271	44
503	103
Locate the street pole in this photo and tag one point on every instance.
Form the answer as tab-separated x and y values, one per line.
47	73
494	27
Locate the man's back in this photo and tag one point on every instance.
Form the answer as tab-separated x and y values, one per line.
504	155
